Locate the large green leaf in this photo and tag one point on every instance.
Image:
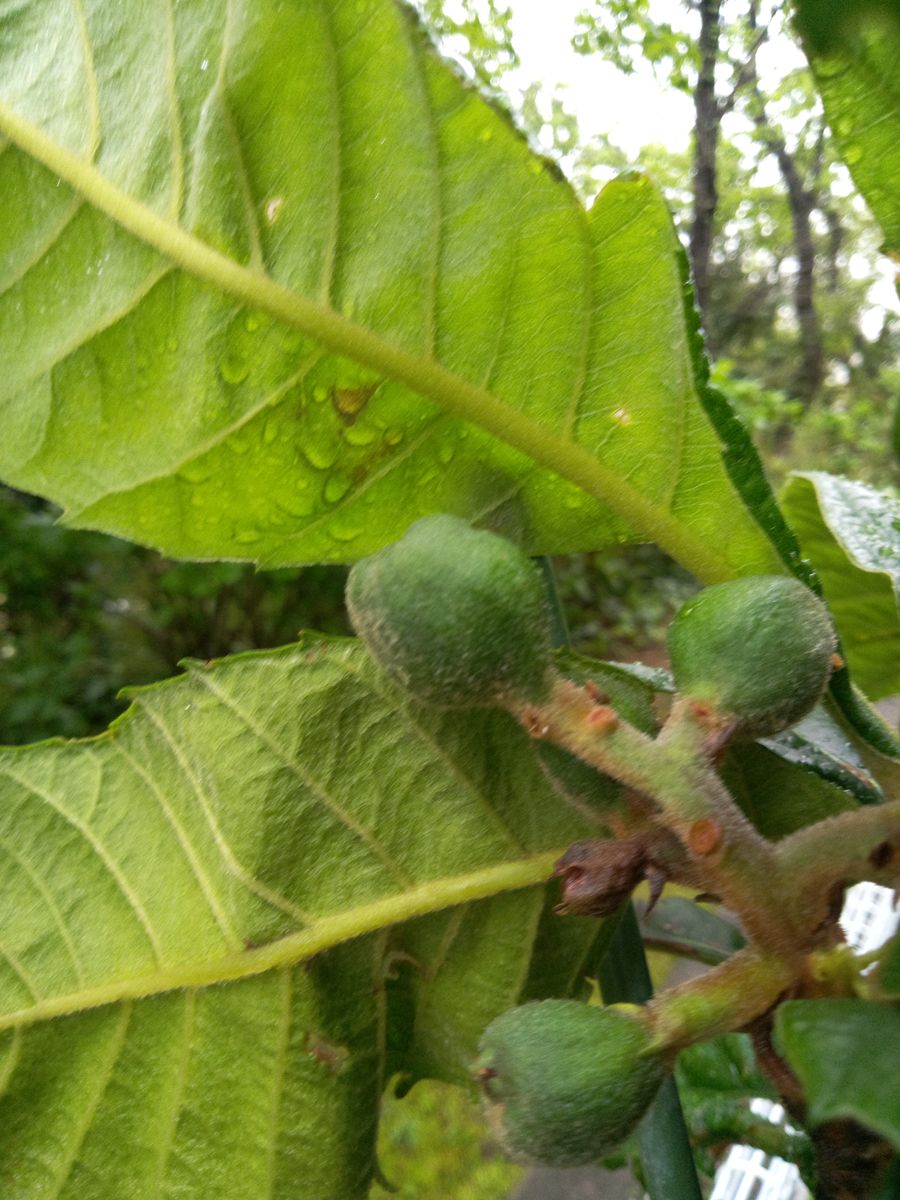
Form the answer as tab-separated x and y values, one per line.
888	977
845	1054
777	795
853	49
852	535
679	926
277	282
819	745
227	920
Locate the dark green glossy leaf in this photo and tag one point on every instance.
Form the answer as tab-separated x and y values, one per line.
888	976
819	745
778	796
723	1066
630	692
846	1054
679	926
717	1080
666	1159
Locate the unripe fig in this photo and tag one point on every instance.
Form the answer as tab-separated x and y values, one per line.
457	615
564	1083
757	650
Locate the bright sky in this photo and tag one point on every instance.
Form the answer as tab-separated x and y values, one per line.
633	110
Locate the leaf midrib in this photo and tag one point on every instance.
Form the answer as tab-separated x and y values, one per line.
320	935
342	336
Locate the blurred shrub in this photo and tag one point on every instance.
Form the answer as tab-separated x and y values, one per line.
83	614
619	602
847	430
434	1145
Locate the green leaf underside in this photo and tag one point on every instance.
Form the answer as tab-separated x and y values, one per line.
852	535
845	1054
860	88
221	833
276	283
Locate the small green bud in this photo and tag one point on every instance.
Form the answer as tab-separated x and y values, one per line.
564	1083
757	650
457	615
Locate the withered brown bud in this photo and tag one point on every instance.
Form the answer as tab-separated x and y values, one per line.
598	876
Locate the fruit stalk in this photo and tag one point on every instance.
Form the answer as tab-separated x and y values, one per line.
725	999
849	848
734	861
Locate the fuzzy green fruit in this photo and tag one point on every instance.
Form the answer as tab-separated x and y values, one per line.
564	1083
757	650
457	615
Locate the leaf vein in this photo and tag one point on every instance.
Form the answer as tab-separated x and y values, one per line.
570	423
250	207
280	1070
293	948
118	875
391	465
308	781
417	53
430	379
221	436
336	142
11	1061
175	110
45	895
91	84
54	235
450	764
168	1142
20	971
88	1112
232	865
109	320
216	903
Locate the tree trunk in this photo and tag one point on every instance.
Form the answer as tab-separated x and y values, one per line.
706	137
802	201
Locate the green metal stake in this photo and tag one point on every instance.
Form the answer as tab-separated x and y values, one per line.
662	1136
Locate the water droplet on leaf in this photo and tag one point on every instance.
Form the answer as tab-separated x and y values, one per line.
273	209
234	368
320	454
343	531
336	487
359	435
194	472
